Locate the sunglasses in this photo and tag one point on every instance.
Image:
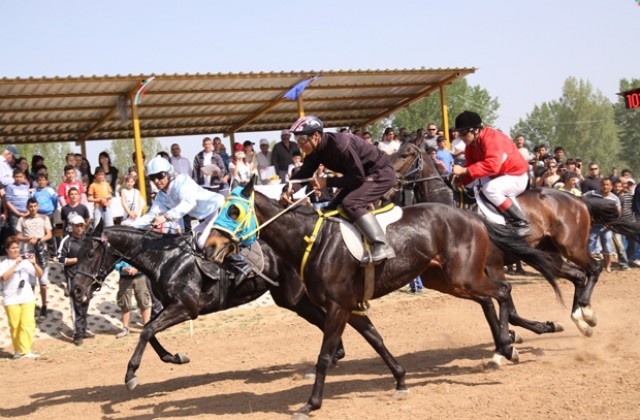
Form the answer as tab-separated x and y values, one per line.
464	131
159	175
593	169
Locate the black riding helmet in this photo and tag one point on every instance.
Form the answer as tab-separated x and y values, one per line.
307	125
468	119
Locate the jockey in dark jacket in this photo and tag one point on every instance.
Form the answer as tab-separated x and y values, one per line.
366	176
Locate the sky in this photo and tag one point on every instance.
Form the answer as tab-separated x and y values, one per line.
524	50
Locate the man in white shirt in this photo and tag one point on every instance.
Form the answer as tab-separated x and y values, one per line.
263	157
457	146
180	164
7	162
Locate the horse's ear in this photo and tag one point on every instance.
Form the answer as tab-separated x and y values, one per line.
248	189
419	140
98	229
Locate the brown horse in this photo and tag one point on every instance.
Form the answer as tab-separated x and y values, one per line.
560	224
334	279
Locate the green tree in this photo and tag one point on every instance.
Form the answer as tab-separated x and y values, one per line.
628	123
54	157
122	150
460	96
581	121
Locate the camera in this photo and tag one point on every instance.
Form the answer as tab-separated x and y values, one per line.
25	256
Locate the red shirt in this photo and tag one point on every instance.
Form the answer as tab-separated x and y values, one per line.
493	154
64	187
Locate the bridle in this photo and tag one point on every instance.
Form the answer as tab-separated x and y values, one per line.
416	165
104	268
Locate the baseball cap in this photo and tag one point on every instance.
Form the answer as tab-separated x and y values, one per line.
12	149
264	141
76	220
285	132
248	143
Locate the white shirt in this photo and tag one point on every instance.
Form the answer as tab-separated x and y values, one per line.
184	196
389	147
181	165
11	293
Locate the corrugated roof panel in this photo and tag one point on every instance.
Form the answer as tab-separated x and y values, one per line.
69	108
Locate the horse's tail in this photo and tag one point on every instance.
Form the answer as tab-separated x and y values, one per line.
602	211
516	247
605	212
624	227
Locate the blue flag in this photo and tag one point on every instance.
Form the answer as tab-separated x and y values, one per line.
295	91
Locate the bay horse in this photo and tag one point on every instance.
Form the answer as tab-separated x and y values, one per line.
432	240
186	284
560	223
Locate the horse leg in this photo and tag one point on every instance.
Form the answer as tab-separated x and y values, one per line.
594	268
172	314
502	342
365	327
301	304
335	323
577	276
515	319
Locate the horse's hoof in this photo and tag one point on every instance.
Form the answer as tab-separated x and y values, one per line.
132	383
515	356
495	363
582	325
299	416
400	394
557	327
589	316
182	358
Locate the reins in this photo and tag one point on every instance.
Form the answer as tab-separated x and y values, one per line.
102	271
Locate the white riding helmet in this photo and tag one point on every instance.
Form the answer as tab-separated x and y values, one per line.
159	164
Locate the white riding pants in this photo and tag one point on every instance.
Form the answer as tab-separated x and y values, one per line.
498	189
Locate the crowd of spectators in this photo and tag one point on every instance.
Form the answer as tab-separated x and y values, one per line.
83	197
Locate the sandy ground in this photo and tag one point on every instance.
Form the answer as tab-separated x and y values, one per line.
251	363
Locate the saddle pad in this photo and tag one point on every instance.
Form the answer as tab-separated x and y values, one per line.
352	236
488	209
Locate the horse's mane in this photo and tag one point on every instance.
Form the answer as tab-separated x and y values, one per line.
168	238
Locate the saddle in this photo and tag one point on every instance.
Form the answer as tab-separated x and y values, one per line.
353	238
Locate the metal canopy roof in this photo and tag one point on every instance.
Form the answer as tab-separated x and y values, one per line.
86	108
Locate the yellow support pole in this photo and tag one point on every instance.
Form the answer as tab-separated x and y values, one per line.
138	146
300	106
445	115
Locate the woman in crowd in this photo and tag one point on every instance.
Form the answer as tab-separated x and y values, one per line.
110	172
16	273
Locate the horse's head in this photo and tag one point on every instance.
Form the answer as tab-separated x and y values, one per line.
408	160
94	264
236	225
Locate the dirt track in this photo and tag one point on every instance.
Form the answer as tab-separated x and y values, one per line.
251	363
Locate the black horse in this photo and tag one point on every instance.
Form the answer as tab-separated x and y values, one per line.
560	223
448	246
186	284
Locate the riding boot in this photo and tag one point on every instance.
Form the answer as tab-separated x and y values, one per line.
239	266
379	249
514	217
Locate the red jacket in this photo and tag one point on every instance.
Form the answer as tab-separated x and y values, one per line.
493	154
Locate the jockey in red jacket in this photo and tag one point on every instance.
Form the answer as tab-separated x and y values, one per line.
495	164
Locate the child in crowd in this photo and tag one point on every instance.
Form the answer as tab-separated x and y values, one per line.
132	201
33	231
132	282
100	194
69	181
16	196
47	199
74	208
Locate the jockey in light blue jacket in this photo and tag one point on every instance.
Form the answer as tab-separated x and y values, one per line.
177	196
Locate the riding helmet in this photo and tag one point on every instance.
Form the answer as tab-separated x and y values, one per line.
307	125
159	164
468	119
